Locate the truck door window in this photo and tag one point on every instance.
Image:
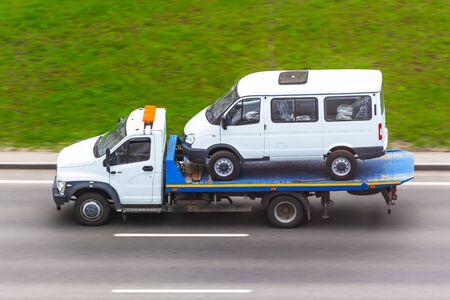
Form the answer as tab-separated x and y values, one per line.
244	112
131	151
348	108
287	110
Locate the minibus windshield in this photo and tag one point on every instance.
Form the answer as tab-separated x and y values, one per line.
111	138
215	111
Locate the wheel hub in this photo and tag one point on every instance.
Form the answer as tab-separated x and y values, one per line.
91	209
223	167
285	212
341	166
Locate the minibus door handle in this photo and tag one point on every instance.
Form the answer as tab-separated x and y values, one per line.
147	168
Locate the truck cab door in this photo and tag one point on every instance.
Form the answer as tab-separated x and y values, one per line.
131	171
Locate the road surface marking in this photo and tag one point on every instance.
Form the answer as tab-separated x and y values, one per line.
425	183
181	234
26	181
180	291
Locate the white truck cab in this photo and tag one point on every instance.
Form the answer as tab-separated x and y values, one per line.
292	115
136	154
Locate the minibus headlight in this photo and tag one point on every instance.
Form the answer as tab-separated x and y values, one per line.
61	186
190	138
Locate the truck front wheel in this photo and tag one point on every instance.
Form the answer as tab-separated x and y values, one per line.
224	165
91	209
285	212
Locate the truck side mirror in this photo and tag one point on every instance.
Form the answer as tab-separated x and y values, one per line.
107	161
223	123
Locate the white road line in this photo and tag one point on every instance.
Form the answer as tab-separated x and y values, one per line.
25	181
427	183
33	163
181	234
181	291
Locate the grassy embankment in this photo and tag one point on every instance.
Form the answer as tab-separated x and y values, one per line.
69	69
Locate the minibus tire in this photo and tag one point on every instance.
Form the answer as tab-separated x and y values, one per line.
348	156
228	157
91	209
286	212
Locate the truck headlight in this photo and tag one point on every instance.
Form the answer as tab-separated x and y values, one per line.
190	139
61	186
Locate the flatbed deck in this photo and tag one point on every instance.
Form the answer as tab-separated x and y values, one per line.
395	168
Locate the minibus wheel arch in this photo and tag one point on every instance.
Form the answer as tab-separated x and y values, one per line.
346	148
224	147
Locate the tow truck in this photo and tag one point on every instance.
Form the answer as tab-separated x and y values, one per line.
134	168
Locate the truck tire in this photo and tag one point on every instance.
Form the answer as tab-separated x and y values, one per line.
224	166
341	165
91	209
285	212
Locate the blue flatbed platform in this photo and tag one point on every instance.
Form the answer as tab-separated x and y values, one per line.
395	168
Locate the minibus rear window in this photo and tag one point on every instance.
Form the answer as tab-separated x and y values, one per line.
348	108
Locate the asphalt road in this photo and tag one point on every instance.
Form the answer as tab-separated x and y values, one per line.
359	253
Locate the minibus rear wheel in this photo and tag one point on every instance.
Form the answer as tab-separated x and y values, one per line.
341	165
224	165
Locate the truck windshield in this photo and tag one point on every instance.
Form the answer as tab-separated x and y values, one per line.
216	110
111	138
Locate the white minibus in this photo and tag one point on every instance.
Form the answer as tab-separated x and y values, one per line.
336	115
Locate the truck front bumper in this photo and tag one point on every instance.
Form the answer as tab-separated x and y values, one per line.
194	154
57	197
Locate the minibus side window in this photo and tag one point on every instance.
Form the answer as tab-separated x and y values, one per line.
244	112
286	110
348	108
382	102
131	151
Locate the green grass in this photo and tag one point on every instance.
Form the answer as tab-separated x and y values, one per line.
69	69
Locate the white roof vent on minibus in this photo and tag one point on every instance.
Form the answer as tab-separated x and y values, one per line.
293	77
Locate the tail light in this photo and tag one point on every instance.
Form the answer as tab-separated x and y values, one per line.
380	131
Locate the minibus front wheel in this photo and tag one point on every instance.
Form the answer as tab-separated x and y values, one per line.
224	165
341	165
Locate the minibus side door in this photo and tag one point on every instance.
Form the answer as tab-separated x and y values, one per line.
294	129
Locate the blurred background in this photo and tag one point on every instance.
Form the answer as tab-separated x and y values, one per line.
70	69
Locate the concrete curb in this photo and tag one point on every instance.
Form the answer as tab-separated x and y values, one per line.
52	166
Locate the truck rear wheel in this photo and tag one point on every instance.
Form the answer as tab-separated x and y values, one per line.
224	165
91	209
285	212
341	165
